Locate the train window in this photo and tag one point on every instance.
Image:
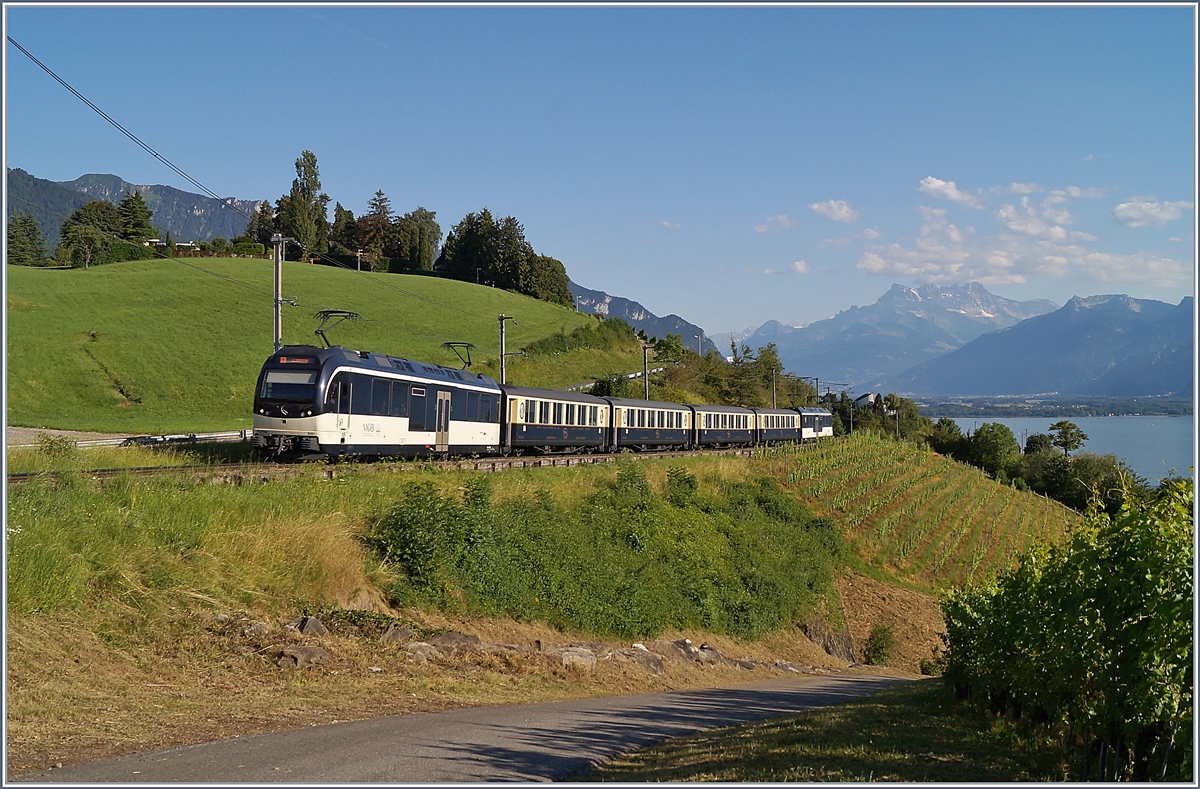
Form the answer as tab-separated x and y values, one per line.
289	385
339	387
472	407
670	419
360	394
662	418
458	405
593	413
399	398
649	419
381	397
416	419
489	410
570	413
558	413
641	412
543	412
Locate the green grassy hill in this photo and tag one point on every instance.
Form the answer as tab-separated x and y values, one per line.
160	346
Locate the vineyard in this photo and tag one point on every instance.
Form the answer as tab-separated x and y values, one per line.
915	513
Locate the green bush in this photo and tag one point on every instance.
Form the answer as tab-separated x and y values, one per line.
625	561
879	645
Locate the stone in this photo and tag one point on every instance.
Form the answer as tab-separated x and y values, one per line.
222	618
256	629
397	634
643	658
454	642
423	652
668	649
837	643
302	657
598	649
578	656
311	626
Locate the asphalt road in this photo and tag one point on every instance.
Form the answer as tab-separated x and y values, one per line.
522	742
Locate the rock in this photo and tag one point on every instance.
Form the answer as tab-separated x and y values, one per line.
453	642
374	669
222	618
596	648
669	649
836	643
578	656
256	629
641	657
710	655
423	652
301	657
792	668
402	634
311	626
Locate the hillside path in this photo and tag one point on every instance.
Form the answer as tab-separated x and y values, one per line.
522	742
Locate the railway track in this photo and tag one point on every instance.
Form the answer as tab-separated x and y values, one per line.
242	473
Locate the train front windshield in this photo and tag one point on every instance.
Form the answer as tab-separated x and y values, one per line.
291	385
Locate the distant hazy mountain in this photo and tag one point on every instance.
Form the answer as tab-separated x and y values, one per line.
598	302
721	339
862	346
1102	345
187	216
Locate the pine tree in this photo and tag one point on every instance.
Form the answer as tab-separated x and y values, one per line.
26	247
135	218
261	225
376	228
343	237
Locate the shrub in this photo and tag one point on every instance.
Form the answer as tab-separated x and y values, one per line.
879	645
55	446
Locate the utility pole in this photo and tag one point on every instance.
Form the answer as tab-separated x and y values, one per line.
503	355
358	258
646	371
773	388
279	241
698	337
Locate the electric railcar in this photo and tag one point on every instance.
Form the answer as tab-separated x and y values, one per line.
332	402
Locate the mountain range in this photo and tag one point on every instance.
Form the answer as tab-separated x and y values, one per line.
1112	345
186	216
863	346
597	302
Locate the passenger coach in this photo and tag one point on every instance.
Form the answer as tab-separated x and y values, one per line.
546	420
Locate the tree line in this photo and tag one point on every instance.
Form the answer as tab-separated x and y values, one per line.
481	248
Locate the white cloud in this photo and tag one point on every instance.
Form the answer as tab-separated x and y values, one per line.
1017	189
943	254
1143	211
1176	239
800	267
947	190
871	234
1091	193
837	210
780	222
671	225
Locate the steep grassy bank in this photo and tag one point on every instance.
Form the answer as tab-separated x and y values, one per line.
158	346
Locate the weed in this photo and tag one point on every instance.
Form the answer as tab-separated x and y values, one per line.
879	645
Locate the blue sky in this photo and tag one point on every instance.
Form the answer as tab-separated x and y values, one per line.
730	165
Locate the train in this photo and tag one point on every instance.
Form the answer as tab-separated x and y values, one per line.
313	402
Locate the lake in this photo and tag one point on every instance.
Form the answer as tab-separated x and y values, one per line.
1150	445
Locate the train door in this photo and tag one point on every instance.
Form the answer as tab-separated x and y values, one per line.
442	422
339	398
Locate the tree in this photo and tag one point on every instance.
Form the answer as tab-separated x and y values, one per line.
947	438
375	229
343	237
135	218
547	280
26	247
261	225
1067	436
83	245
1038	442
994	449
99	214
418	237
481	249
303	217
